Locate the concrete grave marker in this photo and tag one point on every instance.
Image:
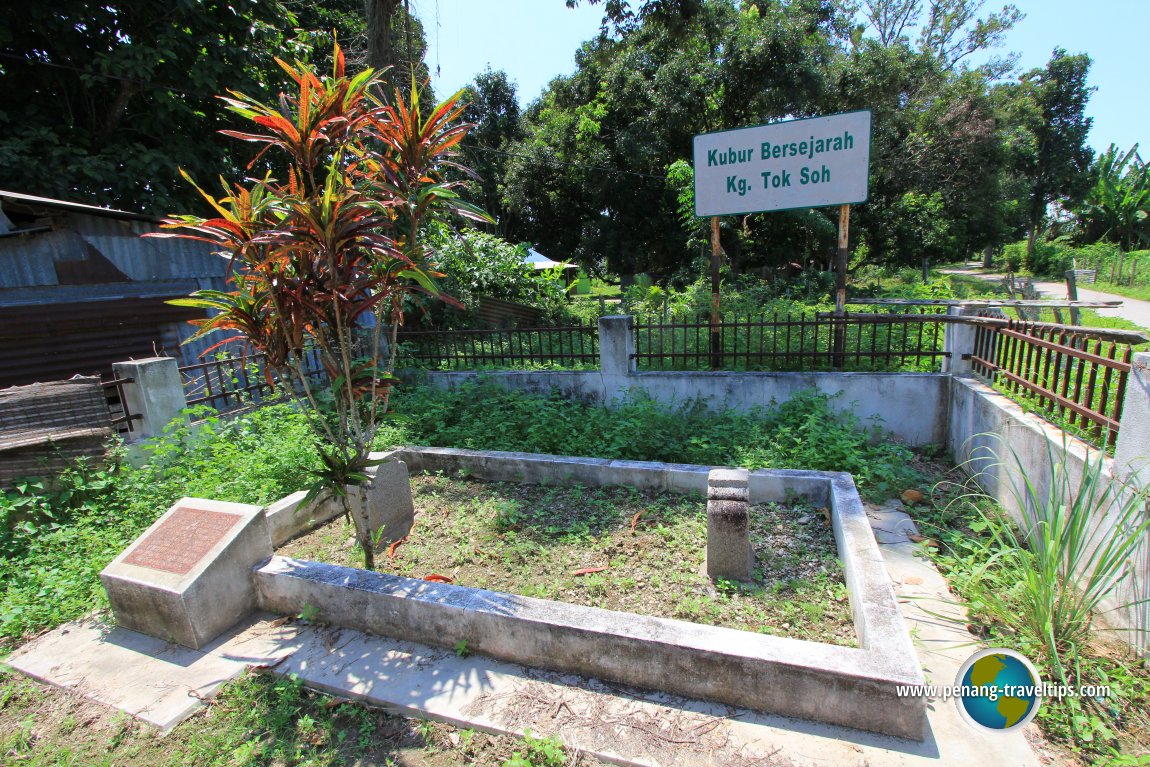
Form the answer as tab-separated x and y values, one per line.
390	504
188	577
182	539
729	553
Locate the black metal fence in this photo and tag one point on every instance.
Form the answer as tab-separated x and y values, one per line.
569	346
907	340
232	383
122	417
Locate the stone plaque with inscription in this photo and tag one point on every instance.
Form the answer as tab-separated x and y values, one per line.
188	577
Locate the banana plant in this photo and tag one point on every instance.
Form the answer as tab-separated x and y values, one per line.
329	236
1117	206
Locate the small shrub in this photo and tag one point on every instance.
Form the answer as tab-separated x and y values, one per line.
1038	589
1065	562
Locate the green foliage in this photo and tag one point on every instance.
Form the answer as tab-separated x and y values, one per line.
1117	271
1117	207
58	537
1066	564
937	156
104	103
490	103
331	244
1048	259
48	573
804	432
476	264
589	179
1039	587
1051	105
540	752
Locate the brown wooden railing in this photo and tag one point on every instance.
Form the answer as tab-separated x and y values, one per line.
567	346
1076	377
908	340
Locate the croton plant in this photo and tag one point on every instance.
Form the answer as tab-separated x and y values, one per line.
328	238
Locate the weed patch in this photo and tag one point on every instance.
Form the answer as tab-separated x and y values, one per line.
614	548
255	721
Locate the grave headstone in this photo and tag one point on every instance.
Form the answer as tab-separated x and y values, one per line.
390	505
729	554
188	577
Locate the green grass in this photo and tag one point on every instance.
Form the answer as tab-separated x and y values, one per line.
256	721
647	551
55	541
1141	292
1006	589
805	432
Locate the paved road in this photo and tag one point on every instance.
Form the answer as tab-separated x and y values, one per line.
1132	309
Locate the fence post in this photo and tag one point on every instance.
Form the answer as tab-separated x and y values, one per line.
1072	295
958	339
616	345
1132	449
156	394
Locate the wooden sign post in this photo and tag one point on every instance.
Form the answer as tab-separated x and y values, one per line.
840	325
716	262
815	162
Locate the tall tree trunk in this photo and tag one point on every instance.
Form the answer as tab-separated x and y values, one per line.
1031	239
380	14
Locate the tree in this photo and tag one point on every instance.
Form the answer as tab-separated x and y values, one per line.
329	238
1051	103
590	176
618	13
1117	206
104	102
952	30
492	107
936	154
396	46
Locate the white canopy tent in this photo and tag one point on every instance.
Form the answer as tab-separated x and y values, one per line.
539	261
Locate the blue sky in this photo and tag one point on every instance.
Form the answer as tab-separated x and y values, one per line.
536	40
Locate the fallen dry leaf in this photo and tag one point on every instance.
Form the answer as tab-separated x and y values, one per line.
588	570
913	580
395	545
924	540
437	578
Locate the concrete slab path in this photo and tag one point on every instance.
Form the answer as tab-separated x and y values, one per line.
1132	309
163	684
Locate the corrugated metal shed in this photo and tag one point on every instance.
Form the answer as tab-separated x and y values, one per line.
81	289
84	338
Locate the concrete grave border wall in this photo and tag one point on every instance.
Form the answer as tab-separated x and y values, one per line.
851	686
992	437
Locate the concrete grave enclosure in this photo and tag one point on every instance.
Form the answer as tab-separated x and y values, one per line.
851	686
952	409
